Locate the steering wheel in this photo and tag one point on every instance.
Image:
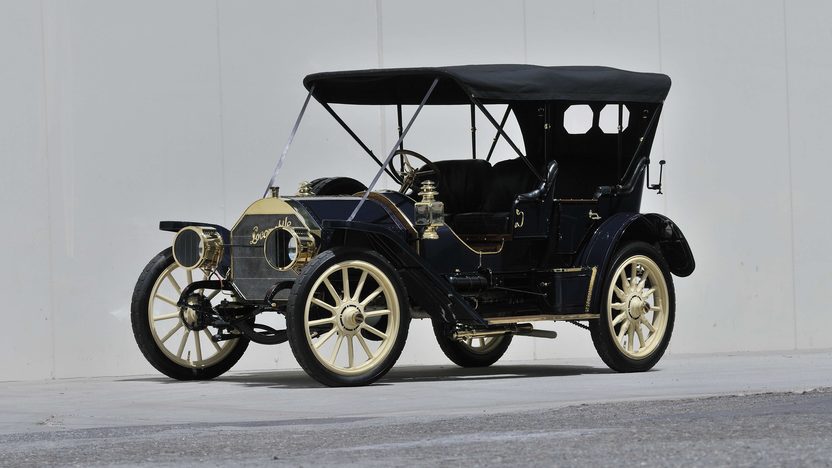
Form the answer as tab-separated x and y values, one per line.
407	173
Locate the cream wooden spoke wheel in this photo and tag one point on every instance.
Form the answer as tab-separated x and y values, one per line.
471	352
638	310
178	334
346	321
636	307
178	342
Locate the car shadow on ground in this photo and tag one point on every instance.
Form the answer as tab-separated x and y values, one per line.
442	373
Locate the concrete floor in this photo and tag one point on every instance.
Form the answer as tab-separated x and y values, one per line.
513	412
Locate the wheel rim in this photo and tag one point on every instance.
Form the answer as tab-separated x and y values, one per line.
185	347
351	317
637	305
481	345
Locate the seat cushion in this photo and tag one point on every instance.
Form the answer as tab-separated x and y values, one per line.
480	223
508	179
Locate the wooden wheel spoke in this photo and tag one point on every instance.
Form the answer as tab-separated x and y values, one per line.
315	323
332	292
167	299
623	330
618	306
630	338
190	275
372	296
363	344
625	283
198	345
171	332
166	316
324	338
350	352
648	325
211	340
619	318
345	279
324	305
619	293
647	293
174	283
643	281
641	342
182	343
360	286
376	313
337	348
374	331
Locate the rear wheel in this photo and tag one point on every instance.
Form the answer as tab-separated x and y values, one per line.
347	317
637	318
471	352
173	341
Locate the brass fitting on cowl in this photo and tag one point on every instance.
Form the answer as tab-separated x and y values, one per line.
305	189
430	212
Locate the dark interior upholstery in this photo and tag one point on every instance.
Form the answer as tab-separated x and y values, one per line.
462	184
508	179
478	197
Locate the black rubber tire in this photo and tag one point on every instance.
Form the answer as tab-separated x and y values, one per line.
462	355
144	336
296	309
599	329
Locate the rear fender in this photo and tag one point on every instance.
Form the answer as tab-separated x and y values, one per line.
652	228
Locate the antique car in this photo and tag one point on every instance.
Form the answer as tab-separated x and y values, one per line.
485	251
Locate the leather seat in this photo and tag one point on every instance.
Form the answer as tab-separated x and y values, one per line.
508	179
462	184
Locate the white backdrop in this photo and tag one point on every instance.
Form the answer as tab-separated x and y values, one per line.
106	105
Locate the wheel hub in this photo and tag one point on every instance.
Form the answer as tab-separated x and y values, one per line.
351	317
192	316
636	307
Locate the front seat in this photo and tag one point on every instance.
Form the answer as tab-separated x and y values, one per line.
507	180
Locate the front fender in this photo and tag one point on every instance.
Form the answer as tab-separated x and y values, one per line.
426	288
176	226
623	227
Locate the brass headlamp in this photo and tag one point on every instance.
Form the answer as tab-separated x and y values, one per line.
197	247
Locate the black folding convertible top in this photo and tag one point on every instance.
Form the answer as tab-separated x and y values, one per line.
489	84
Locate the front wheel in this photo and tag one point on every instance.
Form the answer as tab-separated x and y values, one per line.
347	317
638	310
180	349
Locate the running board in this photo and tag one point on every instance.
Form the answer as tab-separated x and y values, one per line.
540	318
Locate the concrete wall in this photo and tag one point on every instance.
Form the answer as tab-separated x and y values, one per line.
104	105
